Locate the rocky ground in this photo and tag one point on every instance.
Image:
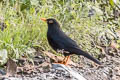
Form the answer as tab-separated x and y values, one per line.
44	70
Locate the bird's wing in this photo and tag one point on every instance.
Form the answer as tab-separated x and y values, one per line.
61	41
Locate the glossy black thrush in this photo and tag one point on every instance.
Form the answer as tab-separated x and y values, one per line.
59	41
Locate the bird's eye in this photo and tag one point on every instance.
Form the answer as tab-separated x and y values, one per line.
51	21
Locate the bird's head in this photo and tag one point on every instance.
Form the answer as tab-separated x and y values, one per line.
51	22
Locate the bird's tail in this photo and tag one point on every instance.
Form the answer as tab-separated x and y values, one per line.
85	54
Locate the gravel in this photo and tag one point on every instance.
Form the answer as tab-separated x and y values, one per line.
110	70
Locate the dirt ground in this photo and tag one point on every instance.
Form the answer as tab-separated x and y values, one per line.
43	69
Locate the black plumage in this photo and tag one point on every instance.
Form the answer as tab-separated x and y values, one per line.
59	41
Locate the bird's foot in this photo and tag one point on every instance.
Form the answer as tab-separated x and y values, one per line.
66	61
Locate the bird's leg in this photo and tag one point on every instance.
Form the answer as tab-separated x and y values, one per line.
61	62
67	61
64	60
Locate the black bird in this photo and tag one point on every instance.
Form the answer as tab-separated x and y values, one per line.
59	41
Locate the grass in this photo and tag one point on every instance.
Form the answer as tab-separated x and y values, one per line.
26	30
